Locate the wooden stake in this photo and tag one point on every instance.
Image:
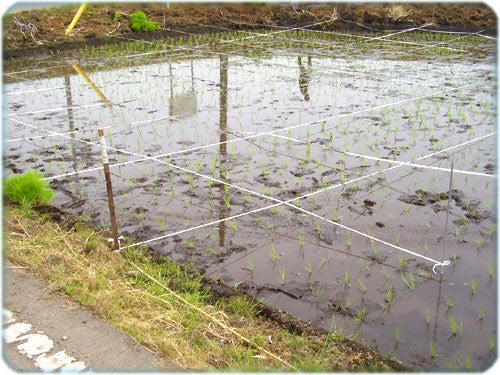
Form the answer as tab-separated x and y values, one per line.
109	189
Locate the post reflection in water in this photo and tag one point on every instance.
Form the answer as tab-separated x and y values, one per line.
304	76
99	93
223	146
71	119
184	103
69	101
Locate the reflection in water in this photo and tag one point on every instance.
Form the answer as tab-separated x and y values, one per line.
71	119
223	146
185	103
304	76
99	93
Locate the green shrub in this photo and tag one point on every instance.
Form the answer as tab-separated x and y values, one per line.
28	190
138	22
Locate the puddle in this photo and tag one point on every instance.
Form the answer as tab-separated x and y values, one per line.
289	175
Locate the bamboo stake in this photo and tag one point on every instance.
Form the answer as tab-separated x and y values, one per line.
109	189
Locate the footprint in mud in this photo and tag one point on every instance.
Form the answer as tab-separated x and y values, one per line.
366	208
489	168
426	198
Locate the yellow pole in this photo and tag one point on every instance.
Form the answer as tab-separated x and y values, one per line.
76	18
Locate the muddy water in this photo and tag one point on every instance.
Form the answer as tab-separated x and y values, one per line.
284	176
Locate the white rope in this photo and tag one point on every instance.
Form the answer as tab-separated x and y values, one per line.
420	166
401	32
389	161
452	40
289	203
56	109
381	38
465	34
153	120
38	136
478	33
39	90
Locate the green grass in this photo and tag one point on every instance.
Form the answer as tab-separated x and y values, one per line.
28	190
139	22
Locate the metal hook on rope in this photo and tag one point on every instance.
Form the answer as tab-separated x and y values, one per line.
442	264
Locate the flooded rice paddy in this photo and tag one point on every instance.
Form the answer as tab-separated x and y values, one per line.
316	178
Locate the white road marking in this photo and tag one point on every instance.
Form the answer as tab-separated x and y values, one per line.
37	346
12	332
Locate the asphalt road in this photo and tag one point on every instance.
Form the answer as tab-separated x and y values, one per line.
44	331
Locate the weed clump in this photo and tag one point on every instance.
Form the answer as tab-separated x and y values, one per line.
139	22
28	190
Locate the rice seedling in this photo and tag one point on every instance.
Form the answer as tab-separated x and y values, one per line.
275	210
315	289
432	347
428	316
318	228
409	282
345	304
387	274
481	314
468	363
426	246
406	209
138	215
473	286
302	239
454	327
162	224
232	225
479	242
275	258
227	200
449	302
309	269
492	343
403	261
190	244
322	263
250	265
346	280
362	286
389	294
281	276
360	315
348	241
397	335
